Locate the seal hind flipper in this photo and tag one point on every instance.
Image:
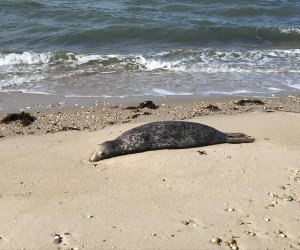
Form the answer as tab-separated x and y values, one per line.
236	138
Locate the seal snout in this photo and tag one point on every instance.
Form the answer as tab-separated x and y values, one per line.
96	156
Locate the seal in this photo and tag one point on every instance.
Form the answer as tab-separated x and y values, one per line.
165	135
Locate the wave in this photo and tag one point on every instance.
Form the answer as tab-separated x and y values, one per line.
25	58
258	11
194	34
178	60
290	30
17	69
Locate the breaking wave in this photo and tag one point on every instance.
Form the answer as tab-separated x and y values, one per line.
34	70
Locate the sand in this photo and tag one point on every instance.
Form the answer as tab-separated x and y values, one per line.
168	199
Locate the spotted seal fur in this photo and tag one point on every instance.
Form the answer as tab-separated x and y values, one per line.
165	135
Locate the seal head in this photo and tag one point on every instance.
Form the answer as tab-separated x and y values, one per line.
101	152
105	150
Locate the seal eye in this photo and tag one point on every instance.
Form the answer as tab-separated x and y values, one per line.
101	154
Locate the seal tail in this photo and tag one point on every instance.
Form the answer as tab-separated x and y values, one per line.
236	138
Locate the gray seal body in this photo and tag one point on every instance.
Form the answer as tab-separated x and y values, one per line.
165	135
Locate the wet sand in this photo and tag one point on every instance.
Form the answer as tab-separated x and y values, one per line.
55	115
241	196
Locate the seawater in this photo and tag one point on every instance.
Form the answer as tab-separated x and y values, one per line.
138	47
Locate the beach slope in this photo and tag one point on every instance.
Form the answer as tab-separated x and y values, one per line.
246	195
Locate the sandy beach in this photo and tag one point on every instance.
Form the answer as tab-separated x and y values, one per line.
76	74
223	196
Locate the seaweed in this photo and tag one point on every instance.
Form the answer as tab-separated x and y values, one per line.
146	104
249	101
25	118
212	107
68	128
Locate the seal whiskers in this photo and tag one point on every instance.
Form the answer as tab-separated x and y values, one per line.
165	135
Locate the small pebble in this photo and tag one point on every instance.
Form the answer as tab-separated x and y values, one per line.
234	247
266	219
184	222
90	216
57	239
240	222
230	209
288	198
282	235
250	233
231	241
278	232
215	240
153	234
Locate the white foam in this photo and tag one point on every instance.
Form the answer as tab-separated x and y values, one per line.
155	64
82	59
275	89
31	68
295	86
26	58
17	80
163	92
290	30
236	92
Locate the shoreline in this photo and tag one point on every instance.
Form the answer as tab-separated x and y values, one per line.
16	101
93	115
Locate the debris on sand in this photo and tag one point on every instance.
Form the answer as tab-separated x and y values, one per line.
201	152
25	118
69	128
57	239
250	102
216	240
146	104
212	107
184	222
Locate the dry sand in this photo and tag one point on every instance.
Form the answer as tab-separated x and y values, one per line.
168	199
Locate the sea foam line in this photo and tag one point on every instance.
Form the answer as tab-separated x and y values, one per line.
26	58
290	30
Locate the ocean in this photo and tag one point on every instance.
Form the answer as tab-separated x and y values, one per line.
99	48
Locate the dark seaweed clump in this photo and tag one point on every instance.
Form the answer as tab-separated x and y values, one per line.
146	104
249	101
212	107
25	118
